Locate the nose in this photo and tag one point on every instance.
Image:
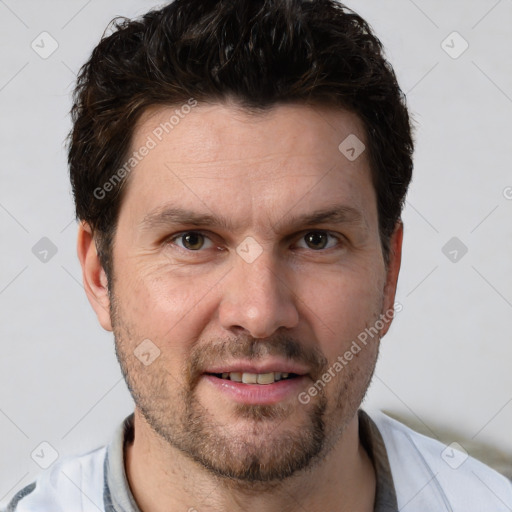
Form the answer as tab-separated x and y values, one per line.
258	297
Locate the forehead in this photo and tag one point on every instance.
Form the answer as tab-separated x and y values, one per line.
213	157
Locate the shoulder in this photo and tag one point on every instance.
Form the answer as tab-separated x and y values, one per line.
73	483
429	475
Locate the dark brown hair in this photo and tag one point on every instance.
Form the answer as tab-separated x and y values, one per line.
260	53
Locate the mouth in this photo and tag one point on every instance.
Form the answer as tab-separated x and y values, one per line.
269	383
255	378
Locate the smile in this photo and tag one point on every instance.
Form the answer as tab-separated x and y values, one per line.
255	378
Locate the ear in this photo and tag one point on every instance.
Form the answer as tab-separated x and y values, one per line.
93	275
392	271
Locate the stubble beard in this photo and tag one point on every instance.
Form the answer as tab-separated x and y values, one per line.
266	451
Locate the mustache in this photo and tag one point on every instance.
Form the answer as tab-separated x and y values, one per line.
204	355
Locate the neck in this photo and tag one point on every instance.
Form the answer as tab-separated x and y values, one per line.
163	478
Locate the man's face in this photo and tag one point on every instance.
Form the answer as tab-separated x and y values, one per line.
224	262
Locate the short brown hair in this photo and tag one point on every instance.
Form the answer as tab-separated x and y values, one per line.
259	52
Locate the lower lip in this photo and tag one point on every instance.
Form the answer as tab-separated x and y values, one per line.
263	394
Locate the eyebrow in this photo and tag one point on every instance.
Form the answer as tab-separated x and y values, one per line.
338	214
166	216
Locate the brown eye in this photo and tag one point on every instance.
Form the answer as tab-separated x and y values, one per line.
191	240
318	240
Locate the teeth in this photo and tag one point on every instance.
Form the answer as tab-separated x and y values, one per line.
249	378
255	378
266	378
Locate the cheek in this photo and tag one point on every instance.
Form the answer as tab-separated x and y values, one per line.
342	305
167	308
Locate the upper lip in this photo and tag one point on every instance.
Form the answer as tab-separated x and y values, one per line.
268	366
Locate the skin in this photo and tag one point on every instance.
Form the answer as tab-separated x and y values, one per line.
202	304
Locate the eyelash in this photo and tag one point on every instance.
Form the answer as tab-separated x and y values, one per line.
173	238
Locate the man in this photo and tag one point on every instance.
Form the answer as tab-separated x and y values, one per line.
239	170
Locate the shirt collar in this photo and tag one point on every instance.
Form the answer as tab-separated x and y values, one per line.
118	497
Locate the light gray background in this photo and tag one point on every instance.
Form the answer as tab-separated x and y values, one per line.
447	358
